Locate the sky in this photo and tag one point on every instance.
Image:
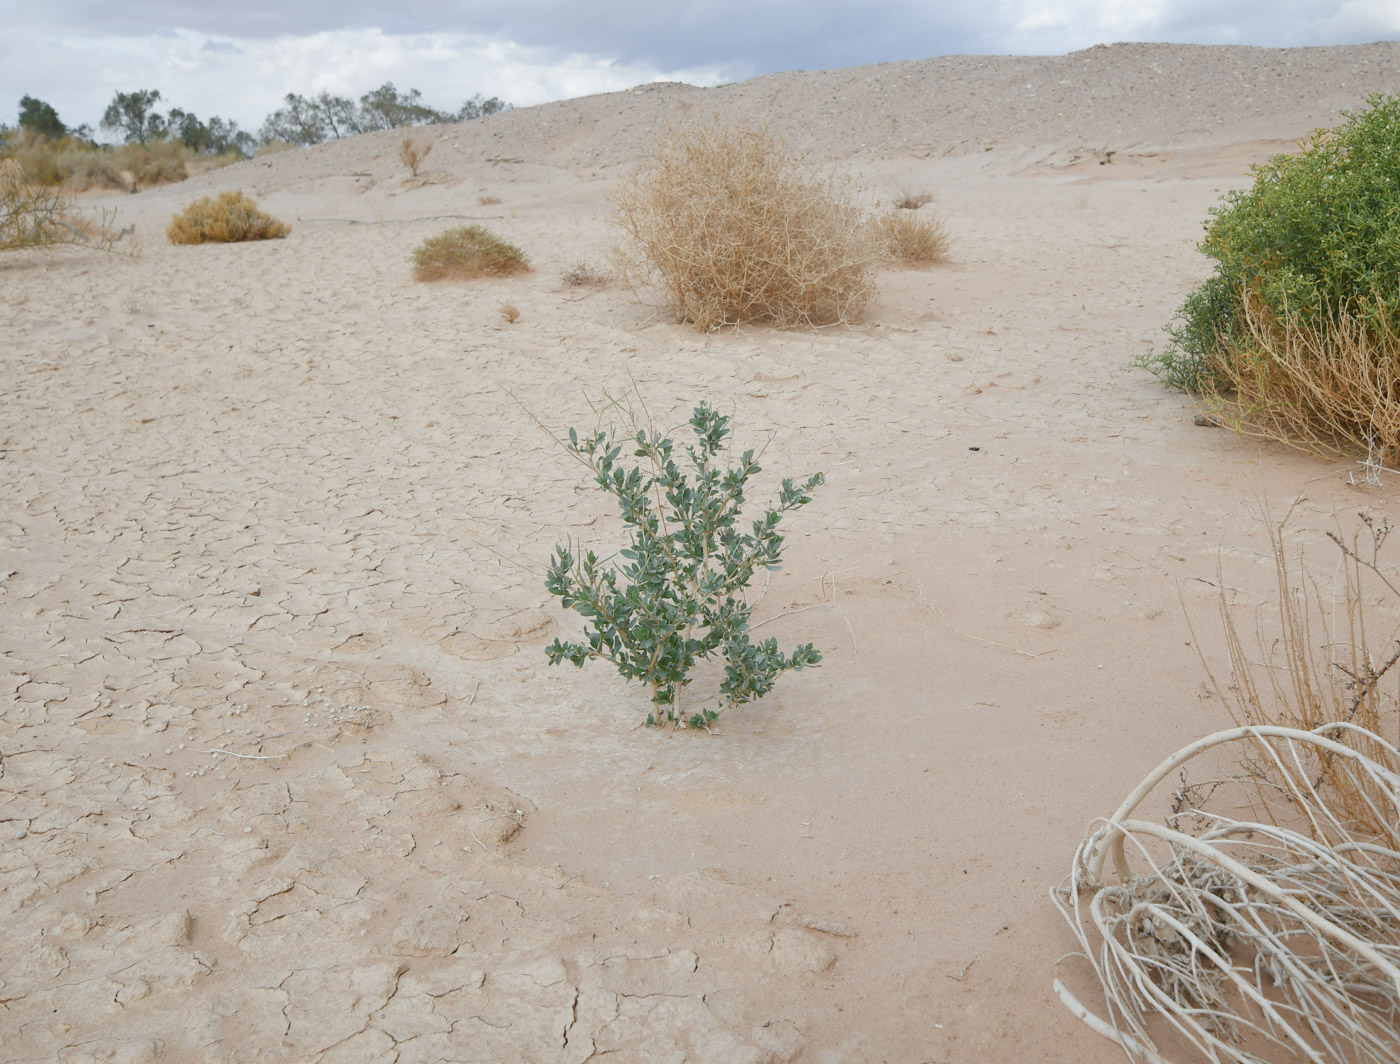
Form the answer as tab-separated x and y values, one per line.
239	60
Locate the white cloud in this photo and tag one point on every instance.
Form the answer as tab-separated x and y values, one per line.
76	53
246	79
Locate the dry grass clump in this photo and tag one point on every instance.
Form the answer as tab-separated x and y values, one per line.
80	165
911	199
510	312
465	253
1328	386
724	225
233	216
413	153
1317	664
1262	919
487	201
40	216
584	275
911	238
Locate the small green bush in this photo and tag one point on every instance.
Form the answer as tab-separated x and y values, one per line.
231	217
1315	239
467	252
678	594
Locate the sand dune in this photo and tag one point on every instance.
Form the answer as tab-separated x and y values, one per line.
283	772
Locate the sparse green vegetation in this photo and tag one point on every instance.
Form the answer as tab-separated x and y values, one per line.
677	596
1294	336
465	253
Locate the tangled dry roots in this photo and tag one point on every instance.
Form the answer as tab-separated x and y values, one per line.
723	225
1253	940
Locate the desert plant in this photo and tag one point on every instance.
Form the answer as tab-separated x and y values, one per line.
41	216
1315	668
465	253
1329	385
1274	939
413	153
487	201
1316	238
510	312
911	199
725	225
156	162
584	275
678	595
912	238
231	217
80	164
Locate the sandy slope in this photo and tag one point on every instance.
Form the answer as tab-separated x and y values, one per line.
283	773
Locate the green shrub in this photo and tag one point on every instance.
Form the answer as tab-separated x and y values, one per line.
233	216
1315	239
678	594
467	252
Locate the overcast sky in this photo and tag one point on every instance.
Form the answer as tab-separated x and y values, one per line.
239	59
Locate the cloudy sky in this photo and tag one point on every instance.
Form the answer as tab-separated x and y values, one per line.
237	60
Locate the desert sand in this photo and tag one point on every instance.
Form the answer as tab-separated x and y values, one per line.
284	774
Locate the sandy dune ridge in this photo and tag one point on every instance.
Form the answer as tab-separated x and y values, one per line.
283	772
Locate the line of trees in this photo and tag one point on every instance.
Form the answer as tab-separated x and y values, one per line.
301	120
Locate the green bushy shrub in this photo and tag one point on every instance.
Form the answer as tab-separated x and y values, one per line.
677	595
1315	240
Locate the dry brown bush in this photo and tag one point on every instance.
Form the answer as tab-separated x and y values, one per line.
910	199
40	216
231	217
724	225
1332	388
1315	662
487	201
510	312
465	253
911	238
413	153
81	165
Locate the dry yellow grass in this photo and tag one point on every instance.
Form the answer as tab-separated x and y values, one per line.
413	153
725	225
911	199
40	216
1332	388
465	253
1313	664
231	217
912	238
